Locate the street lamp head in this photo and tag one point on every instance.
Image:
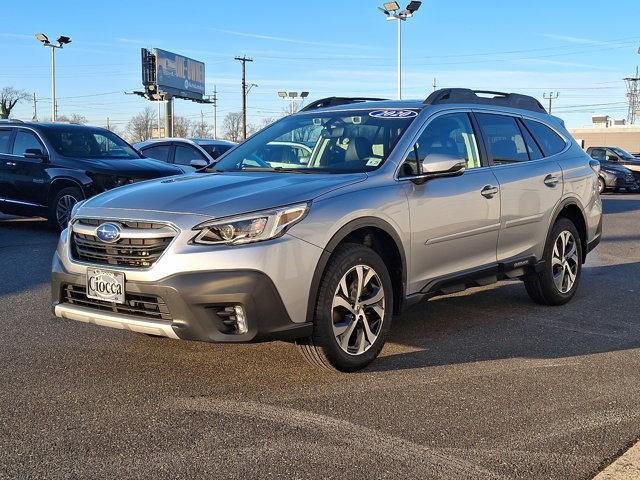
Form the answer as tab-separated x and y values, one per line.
282	94
304	94
383	11
42	38
293	94
413	6
62	40
391	6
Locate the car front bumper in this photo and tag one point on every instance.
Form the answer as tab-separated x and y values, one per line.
195	287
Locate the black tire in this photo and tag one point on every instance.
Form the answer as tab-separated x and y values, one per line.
66	195
322	348
601	185
541	287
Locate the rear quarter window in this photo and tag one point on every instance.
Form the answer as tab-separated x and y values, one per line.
5	136
550	142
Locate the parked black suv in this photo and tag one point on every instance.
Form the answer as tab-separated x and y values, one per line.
46	168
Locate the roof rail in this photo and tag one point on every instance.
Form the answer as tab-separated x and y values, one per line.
13	120
484	97
334	101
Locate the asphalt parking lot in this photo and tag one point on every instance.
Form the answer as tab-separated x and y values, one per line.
482	384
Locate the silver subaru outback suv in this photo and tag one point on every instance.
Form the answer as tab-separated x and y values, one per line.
323	226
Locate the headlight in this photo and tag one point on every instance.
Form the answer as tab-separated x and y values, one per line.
253	227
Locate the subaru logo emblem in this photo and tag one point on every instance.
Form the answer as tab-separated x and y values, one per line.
108	232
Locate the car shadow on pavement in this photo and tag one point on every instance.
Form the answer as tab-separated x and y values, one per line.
502	323
26	248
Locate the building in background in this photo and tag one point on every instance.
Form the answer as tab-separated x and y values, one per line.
605	131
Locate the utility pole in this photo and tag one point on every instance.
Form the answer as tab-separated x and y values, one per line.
633	94
108	126
213	100
244	60
168	117
435	84
551	97
35	108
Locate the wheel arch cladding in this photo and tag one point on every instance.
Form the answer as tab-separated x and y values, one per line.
570	210
59	183
376	234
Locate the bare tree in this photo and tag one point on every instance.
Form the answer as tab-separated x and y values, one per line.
9	97
73	118
141	126
201	129
181	126
266	122
232	126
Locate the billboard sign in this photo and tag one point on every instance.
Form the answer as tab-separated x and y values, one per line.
179	76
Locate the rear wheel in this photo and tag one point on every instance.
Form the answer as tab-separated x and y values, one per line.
558	281
353	311
61	206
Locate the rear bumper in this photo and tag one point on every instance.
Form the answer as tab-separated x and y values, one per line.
193	301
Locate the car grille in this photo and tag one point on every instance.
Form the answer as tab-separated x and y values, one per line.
139	305
140	245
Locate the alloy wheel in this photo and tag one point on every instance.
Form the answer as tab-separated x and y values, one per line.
358	310
564	261
63	209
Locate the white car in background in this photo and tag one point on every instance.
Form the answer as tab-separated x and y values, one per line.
190	154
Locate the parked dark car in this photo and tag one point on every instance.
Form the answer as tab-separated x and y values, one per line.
617	157
46	168
191	154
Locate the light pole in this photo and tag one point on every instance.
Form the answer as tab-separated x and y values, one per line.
61	42
292	96
392	12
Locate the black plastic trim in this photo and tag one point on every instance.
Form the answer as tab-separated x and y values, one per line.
468	96
335	101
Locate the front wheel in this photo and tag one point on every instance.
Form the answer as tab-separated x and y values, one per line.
61	206
558	281
601	185
353	311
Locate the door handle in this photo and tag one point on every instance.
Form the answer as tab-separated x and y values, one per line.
489	191
551	180
11	164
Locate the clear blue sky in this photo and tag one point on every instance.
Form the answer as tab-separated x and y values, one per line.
582	49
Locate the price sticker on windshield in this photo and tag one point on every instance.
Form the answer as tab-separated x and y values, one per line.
393	113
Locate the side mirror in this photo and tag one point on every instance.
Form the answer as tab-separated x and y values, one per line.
437	165
35	153
199	163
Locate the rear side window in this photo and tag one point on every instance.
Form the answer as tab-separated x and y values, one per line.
184	155
24	141
550	142
532	147
599	154
5	136
160	152
504	138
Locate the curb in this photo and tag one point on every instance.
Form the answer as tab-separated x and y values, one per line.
626	467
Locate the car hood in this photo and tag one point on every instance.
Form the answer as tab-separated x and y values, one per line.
140	168
223	194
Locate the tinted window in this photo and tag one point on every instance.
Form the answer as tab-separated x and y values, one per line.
25	140
216	150
5	136
184	155
550	142
450	134
598	154
622	153
87	142
159	152
532	147
504	138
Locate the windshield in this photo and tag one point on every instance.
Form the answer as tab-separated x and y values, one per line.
322	142
622	153
87	142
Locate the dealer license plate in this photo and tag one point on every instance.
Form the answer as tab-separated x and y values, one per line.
105	285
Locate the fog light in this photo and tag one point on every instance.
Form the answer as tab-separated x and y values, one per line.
241	319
